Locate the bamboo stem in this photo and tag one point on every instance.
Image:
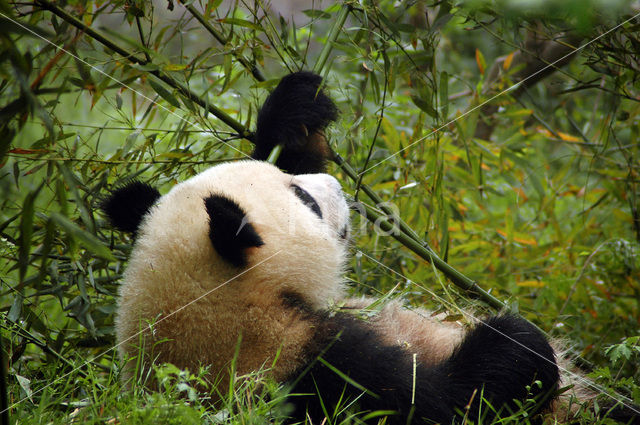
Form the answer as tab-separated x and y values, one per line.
333	35
460	280
275	154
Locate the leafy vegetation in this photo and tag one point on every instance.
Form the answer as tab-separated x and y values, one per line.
503	134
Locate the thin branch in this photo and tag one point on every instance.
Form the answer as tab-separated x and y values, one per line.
132	128
139	25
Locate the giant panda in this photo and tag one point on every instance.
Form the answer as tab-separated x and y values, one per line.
240	267
246	259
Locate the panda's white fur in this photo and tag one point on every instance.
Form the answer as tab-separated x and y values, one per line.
173	263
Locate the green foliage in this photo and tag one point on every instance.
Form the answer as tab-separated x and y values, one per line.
624	351
533	193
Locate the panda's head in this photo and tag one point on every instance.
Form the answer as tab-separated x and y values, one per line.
245	223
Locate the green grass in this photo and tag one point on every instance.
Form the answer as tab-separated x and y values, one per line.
92	392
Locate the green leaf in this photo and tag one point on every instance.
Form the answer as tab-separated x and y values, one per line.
425	106
346	378
10	26
164	93
444	95
25	384
72	182
227	66
6	136
26	231
16	308
129	142
317	14
480	61
617	352
242	23
211	6
86	239
44	252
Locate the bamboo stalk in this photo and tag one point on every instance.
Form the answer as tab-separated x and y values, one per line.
333	35
460	280
275	154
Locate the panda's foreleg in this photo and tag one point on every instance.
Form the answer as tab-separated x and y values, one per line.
497	361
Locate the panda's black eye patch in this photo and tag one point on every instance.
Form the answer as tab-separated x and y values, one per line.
307	199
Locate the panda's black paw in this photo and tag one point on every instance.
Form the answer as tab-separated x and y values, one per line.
505	358
295	116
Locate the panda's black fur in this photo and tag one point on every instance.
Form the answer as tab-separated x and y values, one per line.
324	357
229	236
296	115
127	205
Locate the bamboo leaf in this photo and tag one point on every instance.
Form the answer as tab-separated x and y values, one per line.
242	23
72	182
47	245
6	136
26	231
25	384
86	239
24	28
444	94
425	106
507	62
16	308
164	93
482	64
531	284
129	142
317	14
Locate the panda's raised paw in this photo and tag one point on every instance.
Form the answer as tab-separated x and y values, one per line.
295	116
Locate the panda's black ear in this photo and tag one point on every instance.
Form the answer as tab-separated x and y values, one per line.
230	232
295	115
128	204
